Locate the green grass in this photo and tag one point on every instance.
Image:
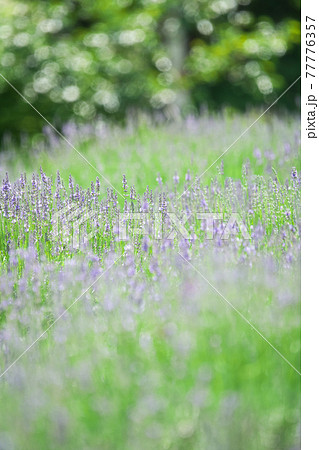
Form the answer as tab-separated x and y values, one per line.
143	151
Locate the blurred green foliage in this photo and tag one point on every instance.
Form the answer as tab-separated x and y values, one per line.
76	60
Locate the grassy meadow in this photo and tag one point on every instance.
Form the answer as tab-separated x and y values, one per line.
152	343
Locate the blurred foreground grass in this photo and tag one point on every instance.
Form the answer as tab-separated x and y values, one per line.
172	368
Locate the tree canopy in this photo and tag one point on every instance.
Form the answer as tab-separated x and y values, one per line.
81	59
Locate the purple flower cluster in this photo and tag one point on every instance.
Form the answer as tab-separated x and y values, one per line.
43	213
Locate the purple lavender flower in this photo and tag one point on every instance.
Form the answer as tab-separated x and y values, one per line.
257	153
159	180
132	193
188	176
97	184
124	182
294	173
176	178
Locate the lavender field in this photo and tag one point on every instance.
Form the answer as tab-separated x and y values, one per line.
148	341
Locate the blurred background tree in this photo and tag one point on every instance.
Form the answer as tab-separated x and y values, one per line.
78	59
